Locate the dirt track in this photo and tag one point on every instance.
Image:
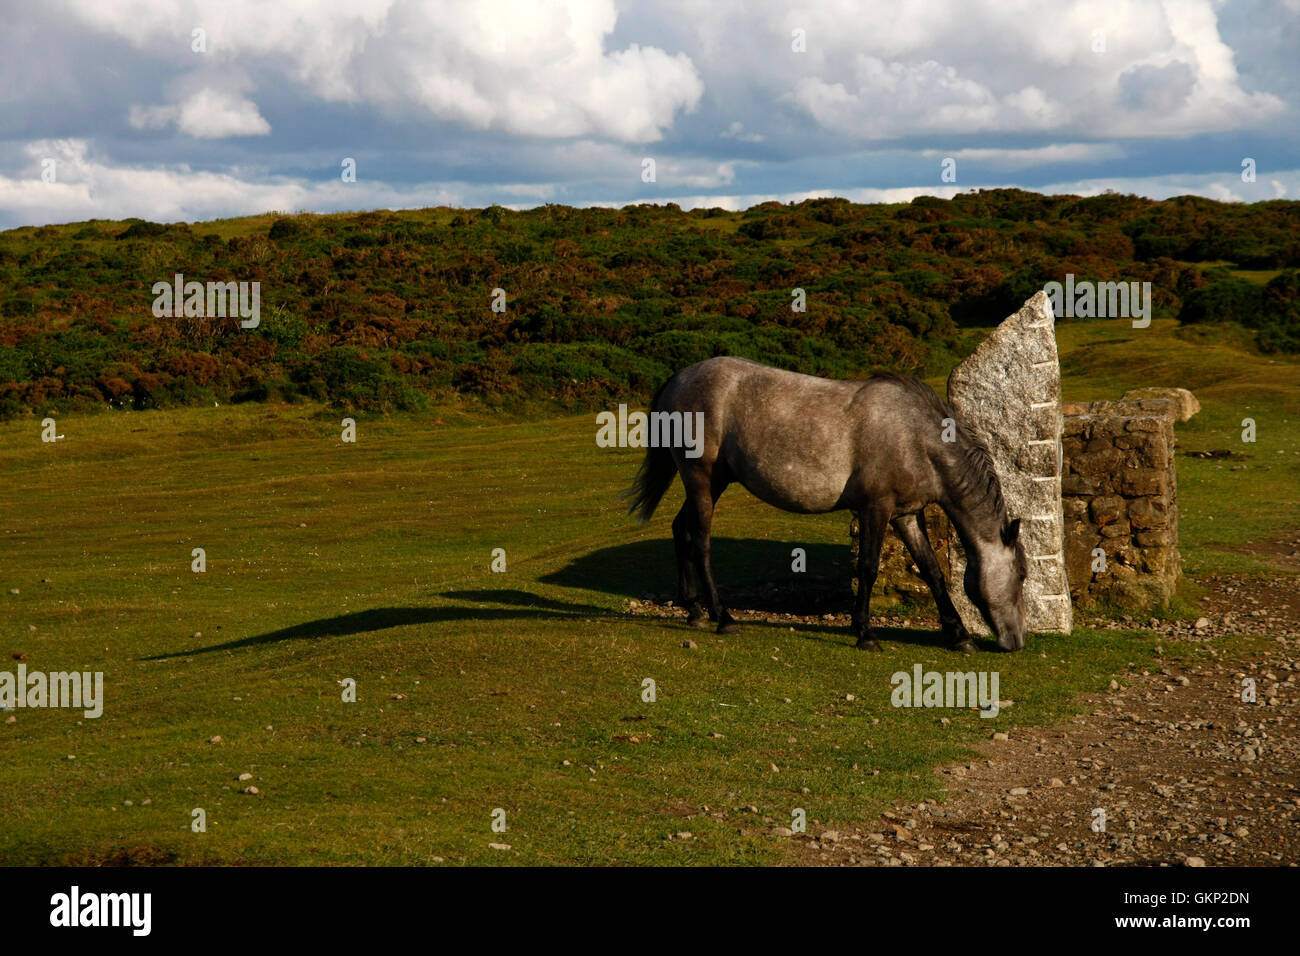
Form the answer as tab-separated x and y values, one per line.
1185	772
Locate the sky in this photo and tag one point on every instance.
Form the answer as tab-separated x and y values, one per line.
184	110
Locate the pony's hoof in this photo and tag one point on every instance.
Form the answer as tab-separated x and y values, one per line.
701	620
728	627
964	646
869	644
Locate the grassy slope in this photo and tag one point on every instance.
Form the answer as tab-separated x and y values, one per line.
371	561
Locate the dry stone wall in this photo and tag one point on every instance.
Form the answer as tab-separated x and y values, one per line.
1120	495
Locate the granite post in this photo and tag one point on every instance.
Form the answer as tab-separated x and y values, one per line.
1009	391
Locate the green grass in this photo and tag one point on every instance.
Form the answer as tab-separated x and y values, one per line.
1258	276
372	561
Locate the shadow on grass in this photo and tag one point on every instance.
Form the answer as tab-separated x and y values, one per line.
887	636
603	571
521	605
752	575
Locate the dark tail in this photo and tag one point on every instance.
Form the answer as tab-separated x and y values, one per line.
656	474
652	481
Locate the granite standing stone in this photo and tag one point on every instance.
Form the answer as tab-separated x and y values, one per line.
1009	390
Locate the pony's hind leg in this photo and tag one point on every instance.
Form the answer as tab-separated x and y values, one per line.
688	579
702	493
911	528
871	536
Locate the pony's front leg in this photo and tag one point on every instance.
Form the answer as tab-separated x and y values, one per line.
911	528
871	537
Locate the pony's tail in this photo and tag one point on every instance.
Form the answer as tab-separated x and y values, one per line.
652	481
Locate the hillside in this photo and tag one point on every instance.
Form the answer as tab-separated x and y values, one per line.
389	310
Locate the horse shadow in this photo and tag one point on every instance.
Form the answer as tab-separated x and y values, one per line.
771	585
641	570
752	574
514	605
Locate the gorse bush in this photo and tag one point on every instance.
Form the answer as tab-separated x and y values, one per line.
1278	324
1272	311
388	310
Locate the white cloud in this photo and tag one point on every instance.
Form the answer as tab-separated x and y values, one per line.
558	100
592	163
890	99
205	114
737	132
886	69
1226	187
86	188
745	201
542	192
1033	156
697	176
533	69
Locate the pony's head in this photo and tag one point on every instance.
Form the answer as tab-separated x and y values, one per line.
995	584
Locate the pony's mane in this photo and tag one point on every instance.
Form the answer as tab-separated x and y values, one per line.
977	479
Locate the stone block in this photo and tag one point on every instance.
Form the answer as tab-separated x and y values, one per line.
1148	514
1138	483
1184	402
1106	510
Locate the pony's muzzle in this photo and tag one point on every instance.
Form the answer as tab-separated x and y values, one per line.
1011	642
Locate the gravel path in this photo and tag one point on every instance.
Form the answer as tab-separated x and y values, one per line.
1185	772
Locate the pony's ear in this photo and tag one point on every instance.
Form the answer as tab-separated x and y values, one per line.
1011	532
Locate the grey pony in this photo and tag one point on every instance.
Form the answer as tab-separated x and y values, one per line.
812	445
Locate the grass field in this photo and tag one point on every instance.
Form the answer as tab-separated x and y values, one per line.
476	690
